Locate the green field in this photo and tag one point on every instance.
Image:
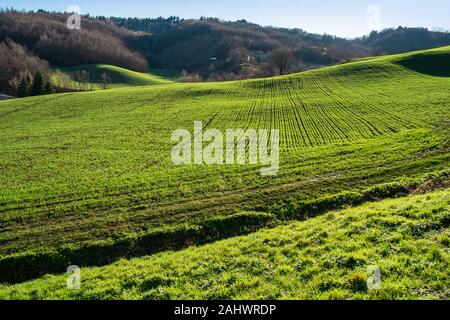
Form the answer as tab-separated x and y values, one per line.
120	77
322	258
87	178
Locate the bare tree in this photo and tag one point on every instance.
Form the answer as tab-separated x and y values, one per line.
47	36
190	77
282	59
105	81
266	71
84	80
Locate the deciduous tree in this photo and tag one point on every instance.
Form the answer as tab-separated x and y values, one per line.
282	59
105	81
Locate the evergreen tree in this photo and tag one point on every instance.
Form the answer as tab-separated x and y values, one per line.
48	88
22	90
38	84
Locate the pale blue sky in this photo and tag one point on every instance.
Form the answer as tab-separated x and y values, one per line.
346	18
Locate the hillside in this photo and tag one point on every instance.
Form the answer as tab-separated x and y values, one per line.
189	44
404	40
209	46
323	258
47	36
87	178
32	42
120	77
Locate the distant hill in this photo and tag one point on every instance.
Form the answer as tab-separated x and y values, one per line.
210	45
207	48
402	40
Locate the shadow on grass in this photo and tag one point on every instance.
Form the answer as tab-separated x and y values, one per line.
433	64
32	265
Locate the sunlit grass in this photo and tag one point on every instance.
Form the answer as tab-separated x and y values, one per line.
80	169
323	258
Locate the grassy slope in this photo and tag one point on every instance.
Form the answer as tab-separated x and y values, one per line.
123	77
87	167
322	258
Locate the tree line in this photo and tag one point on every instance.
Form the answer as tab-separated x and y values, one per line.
35	85
22	72
47	35
217	49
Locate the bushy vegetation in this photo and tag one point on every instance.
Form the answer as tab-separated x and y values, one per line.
85	170
323	258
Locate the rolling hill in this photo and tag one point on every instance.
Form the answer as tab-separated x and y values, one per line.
176	43
87	178
120	77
